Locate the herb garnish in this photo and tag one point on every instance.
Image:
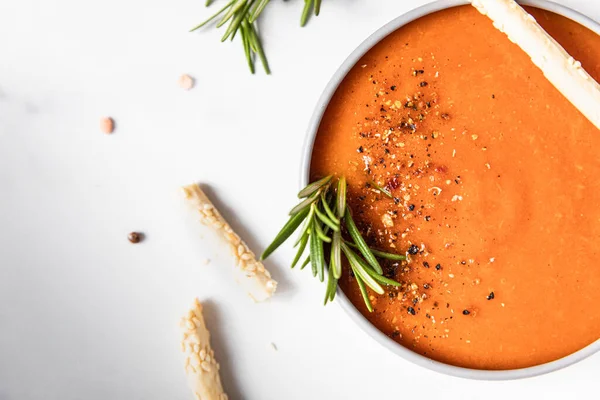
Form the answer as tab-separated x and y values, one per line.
242	16
325	213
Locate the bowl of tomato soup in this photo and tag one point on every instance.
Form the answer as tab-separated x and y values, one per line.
460	154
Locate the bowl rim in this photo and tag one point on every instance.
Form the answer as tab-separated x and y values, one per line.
311	133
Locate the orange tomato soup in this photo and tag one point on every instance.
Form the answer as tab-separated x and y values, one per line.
495	179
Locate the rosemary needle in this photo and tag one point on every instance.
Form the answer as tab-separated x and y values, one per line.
360	242
236	6
289	228
308	4
380	254
258	49
313	187
260	6
214	16
303	244
246	43
365	295
381	189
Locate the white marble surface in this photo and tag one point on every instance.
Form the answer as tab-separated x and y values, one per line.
86	315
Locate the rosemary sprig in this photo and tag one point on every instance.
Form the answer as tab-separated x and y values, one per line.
324	211
242	16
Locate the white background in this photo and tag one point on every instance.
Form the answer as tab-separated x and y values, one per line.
84	314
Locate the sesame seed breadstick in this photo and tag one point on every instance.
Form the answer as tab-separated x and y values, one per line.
562	70
250	273
201	367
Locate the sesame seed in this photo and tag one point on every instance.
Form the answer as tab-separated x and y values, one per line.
271	284
206	366
190	325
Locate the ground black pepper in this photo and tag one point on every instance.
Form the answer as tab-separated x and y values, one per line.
491	296
411	311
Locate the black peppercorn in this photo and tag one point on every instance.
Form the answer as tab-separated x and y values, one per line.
413	249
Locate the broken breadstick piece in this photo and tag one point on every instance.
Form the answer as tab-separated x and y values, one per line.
250	273
561	69
201	367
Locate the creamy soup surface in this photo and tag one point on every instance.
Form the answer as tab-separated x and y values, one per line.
495	180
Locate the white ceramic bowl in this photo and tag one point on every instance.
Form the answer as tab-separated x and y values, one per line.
315	121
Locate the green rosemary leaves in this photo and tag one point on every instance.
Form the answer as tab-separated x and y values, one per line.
325	215
242	16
